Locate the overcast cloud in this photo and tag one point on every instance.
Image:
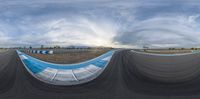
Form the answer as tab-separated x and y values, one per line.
115	23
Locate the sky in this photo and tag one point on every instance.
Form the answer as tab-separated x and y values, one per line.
110	23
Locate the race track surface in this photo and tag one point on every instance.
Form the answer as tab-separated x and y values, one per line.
121	79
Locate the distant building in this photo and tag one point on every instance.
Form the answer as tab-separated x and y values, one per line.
145	47
42	46
56	47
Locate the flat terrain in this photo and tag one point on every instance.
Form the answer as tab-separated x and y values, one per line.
3	50
70	56
168	51
118	81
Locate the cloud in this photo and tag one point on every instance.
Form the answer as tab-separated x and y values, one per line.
116	23
2	37
81	32
162	31
76	31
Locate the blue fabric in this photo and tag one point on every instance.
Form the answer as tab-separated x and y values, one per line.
39	51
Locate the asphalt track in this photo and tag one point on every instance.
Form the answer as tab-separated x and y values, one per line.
120	80
167	68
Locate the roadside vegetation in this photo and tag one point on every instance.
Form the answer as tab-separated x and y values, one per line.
171	50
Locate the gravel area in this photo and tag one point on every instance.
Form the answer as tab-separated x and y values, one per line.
69	57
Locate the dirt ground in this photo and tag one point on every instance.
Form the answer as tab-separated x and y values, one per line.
3	50
70	57
168	51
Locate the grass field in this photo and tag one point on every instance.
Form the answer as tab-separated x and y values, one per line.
69	57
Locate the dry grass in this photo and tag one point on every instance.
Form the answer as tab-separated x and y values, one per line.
168	51
70	57
3	50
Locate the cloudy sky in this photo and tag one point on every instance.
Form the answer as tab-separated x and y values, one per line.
116	23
